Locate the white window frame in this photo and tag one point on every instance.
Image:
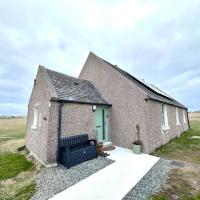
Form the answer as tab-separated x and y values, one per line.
184	118
165	125
177	116
35	118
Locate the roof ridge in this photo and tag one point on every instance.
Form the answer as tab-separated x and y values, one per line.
125	73
62	73
82	91
50	86
69	76
137	79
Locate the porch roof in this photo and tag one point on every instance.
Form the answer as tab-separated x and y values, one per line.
74	90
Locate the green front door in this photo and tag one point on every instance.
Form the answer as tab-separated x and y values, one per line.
101	123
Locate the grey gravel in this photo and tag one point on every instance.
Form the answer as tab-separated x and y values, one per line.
151	182
51	181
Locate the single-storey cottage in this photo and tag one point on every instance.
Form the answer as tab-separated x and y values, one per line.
105	102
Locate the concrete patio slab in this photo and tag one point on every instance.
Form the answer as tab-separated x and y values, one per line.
115	180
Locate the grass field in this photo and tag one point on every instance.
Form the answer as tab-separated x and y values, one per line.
194	116
13	128
17	171
185	147
12	133
183	183
12	164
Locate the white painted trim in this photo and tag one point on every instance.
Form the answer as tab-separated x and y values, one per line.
107	144
165	128
184	118
177	117
34	127
165	125
35	116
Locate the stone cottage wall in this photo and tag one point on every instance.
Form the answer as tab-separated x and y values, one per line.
76	119
128	102
130	108
36	139
157	137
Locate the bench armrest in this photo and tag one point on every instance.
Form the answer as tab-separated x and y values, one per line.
92	142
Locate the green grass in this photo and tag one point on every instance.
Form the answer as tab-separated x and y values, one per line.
184	147
25	192
13	128
16	172
182	183
195	125
162	197
11	164
158	197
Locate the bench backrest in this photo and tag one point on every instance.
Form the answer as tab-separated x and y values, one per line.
74	141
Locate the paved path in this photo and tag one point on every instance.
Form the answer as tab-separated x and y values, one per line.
114	181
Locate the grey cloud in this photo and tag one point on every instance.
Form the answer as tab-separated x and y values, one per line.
162	47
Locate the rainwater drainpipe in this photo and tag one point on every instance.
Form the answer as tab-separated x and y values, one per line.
188	119
59	130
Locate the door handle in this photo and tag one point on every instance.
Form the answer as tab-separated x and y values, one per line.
98	126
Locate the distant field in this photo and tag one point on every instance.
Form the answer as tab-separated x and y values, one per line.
17	170
194	116
12	128
12	132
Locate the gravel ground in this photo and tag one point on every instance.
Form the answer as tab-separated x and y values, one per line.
56	179
151	182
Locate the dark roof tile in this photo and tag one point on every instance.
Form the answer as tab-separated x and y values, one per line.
76	90
152	91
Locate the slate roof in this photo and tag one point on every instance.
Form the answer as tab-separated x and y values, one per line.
152	91
75	90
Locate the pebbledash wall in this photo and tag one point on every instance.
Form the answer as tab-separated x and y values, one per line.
157	136
130	108
76	119
36	138
128	102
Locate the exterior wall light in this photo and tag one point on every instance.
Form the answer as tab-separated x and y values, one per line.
94	108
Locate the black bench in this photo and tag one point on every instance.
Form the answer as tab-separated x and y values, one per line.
76	149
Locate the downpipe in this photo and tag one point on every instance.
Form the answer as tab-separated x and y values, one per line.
59	130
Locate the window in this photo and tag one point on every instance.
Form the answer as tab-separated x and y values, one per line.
184	119
165	125
177	117
35	118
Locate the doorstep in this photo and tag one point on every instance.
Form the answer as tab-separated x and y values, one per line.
107	144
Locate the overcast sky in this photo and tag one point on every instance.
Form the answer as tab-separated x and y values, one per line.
157	40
